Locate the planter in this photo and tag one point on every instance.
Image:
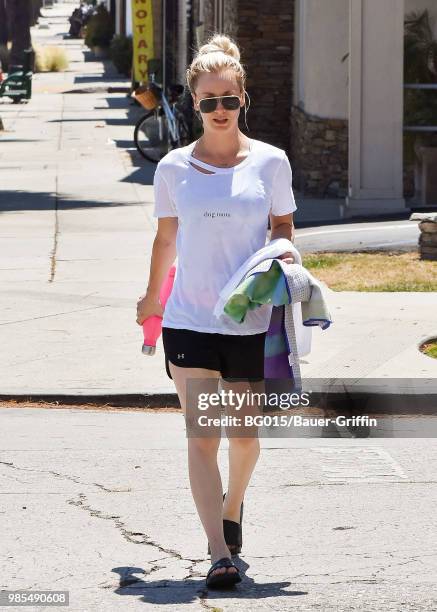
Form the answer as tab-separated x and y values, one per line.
428	234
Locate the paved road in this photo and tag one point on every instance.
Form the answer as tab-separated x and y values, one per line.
98	503
375	235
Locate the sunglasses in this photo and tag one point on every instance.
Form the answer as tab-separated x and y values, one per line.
209	105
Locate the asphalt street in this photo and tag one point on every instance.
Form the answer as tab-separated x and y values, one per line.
399	234
99	504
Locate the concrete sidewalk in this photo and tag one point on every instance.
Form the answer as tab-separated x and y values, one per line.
76	235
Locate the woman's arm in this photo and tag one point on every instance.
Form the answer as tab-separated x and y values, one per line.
282	227
163	256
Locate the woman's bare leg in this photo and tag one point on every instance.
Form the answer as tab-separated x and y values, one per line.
205	480
244	451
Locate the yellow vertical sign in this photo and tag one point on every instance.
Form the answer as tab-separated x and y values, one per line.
142	28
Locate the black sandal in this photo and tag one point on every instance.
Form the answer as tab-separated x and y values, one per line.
233	533
224	580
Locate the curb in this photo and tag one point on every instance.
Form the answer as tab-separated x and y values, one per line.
136	400
342	401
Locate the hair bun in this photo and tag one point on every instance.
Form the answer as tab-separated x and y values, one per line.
220	52
220	42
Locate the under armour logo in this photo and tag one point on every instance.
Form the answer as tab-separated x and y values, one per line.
181	355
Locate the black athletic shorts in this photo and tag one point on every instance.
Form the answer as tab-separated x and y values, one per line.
238	357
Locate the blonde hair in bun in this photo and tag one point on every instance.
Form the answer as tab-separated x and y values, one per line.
219	53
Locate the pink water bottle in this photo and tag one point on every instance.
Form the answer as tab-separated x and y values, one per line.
152	325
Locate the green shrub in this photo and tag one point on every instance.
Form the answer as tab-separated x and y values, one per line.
121	53
99	29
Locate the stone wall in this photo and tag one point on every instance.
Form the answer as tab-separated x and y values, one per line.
428	234
319	154
265	34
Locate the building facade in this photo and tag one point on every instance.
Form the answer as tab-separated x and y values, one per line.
325	81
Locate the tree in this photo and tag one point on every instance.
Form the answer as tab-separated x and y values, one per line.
18	14
35	11
3	36
3	24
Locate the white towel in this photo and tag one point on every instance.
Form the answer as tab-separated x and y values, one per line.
274	249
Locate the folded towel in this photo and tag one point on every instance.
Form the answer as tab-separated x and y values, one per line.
298	303
259	288
273	249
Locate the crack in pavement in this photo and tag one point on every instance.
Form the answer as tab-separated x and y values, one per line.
11	465
55	232
358	482
134	537
107	490
130	536
383	567
56	314
125	582
54	252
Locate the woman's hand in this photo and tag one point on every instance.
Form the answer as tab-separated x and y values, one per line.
287	257
147	307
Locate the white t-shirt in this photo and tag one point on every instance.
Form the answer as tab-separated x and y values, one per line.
222	221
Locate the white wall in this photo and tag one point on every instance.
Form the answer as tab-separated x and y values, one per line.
322	39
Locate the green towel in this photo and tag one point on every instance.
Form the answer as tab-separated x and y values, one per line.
258	289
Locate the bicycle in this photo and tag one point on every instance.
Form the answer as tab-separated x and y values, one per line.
164	127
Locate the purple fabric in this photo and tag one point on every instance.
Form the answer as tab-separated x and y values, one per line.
276	365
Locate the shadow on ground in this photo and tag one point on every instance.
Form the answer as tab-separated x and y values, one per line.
20	201
185	591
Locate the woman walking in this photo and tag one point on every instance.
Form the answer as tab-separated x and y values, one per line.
213	199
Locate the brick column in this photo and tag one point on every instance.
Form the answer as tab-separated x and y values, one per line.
265	33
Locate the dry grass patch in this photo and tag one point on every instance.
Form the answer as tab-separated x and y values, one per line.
373	271
50	59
